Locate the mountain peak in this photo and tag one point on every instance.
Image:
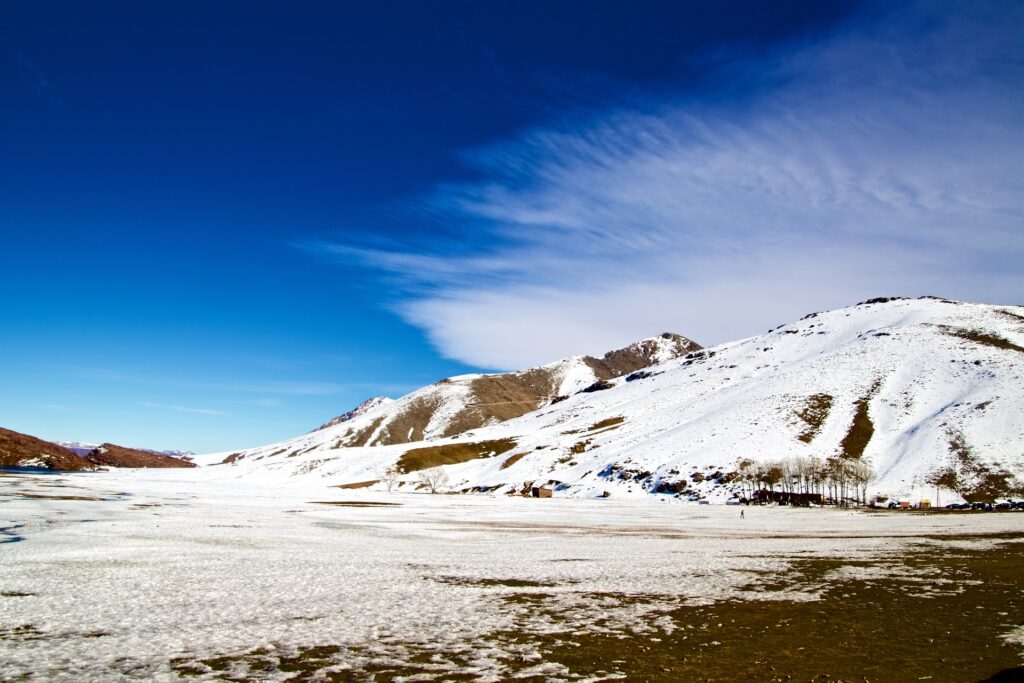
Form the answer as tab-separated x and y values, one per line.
641	354
361	409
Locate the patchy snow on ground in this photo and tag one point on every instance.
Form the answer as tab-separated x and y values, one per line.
114	575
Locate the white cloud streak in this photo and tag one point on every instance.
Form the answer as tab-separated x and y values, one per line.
882	159
272	387
182	409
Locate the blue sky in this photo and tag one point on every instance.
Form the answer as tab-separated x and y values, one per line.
226	222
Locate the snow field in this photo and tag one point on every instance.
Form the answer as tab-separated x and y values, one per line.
183	564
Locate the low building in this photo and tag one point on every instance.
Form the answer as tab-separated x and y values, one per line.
787	498
545	490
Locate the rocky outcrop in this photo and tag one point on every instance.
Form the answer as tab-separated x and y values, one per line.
642	354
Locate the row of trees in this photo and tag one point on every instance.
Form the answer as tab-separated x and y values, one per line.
843	480
840	479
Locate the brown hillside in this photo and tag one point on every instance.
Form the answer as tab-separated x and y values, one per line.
111	455
22	450
500	397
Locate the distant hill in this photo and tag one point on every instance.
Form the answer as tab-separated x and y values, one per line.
112	455
80	448
22	450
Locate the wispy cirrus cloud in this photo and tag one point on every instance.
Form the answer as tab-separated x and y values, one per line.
882	158
55	406
182	409
271	387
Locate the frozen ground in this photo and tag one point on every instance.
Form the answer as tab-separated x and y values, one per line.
126	574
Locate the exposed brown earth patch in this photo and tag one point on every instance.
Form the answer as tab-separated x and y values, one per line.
813	414
862	429
490	583
513	459
40	496
1012	316
358	484
971	479
22	633
451	454
362	437
983	338
354	503
606	425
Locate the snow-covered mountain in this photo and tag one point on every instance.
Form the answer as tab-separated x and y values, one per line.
77	447
457	404
928	392
175	453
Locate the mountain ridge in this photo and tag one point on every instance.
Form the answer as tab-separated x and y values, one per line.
927	391
458	404
24	450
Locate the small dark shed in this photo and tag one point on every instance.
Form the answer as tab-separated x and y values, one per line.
545	490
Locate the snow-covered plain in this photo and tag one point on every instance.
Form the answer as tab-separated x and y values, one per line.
114	575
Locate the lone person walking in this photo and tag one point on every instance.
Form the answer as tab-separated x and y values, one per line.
741	514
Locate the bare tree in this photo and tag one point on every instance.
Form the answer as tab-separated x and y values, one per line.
862	474
434	478
772	475
747	471
390	476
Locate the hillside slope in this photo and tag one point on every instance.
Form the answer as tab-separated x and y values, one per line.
22	450
457	404
928	392
112	455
